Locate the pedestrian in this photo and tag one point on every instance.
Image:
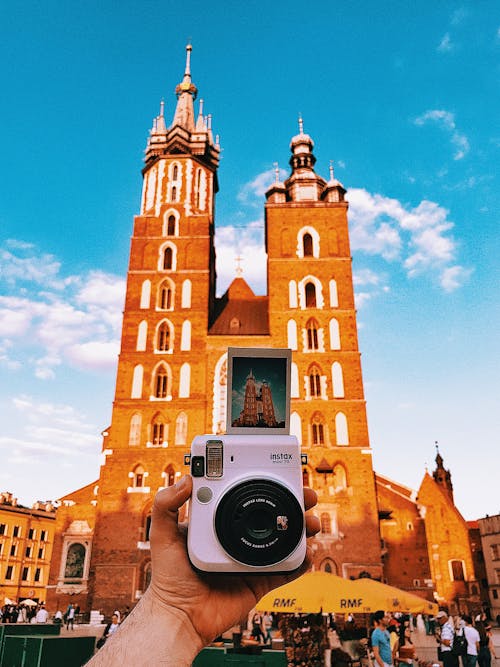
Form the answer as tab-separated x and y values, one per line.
70	617
58	617
486	647
109	630
267	624
381	641
42	615
257	628
472	637
445	633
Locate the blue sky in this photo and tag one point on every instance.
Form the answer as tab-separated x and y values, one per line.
406	105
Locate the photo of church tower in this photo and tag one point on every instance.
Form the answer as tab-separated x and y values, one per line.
258	406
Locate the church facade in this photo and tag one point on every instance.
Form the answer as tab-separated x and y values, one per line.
171	377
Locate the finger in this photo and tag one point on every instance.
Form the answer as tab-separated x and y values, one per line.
310	498
166	507
313	525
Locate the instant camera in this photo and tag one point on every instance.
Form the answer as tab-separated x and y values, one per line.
247	506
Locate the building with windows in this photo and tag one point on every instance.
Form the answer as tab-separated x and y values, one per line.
26	540
489	529
172	375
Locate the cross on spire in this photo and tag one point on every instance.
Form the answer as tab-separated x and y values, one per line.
239	270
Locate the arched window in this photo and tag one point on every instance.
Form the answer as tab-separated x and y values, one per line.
174	193
75	561
334	335
171	225
292	294
138	477
341	429
186	294
145	294
292	334
312	335
457	570
147	527
339	477
169	475
175	172
307	245
329	566
165	300
310	291
185	381
326	523
161	385
181	424
318	430
186	336
159	431
296	426
134	437
314	382
137	382
334	299
168	258
142	333
294	381
337	380
164	337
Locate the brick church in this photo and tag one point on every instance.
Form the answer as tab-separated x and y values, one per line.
171	377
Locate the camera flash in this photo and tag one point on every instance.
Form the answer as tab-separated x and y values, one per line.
214	458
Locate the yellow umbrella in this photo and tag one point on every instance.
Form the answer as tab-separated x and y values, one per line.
315	592
389	598
321	591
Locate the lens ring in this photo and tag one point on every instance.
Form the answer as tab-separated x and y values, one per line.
259	522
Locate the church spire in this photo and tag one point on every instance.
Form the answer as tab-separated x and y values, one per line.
186	94
441	476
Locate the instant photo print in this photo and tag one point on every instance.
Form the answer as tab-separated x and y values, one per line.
258	391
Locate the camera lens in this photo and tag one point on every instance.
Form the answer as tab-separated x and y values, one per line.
259	522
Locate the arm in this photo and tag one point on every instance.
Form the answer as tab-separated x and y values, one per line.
182	610
376	655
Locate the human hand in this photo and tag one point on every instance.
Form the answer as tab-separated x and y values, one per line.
212	603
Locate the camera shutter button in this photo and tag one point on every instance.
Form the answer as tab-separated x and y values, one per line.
204	494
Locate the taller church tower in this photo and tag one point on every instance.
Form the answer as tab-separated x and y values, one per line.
171	378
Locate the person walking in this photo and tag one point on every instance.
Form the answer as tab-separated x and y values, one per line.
486	647
445	633
381	641
472	637
70	617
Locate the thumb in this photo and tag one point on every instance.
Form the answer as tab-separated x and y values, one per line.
166	508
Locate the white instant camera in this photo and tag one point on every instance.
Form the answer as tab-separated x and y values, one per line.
247	506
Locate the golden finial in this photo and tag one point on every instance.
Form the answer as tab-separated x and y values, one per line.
239	270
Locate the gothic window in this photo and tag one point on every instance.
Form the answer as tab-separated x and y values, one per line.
134	437
292	334
341	429
334	299
186	336
312	335
138	477
292	294
296	426
294	381
168	255
186	294
326	523
337	380
175	172
307	245
310	291
219	397
162	382
169	475
75	560
318	430
137	382
142	333
185	381
164	337
314	382
334	335
339	477
159	432
145	294
174	193
328	566
181	424
165	296
171	225
457	570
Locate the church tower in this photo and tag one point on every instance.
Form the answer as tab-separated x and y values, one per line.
171	379
311	308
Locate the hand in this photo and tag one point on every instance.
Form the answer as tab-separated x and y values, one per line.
211	603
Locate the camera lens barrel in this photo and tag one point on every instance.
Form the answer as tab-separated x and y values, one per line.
259	522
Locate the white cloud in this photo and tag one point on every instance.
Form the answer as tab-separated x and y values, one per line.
445	45
247	242
446	120
75	318
454	277
417	237
252	192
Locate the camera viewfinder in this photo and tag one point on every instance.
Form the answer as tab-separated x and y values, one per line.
214	458
198	466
